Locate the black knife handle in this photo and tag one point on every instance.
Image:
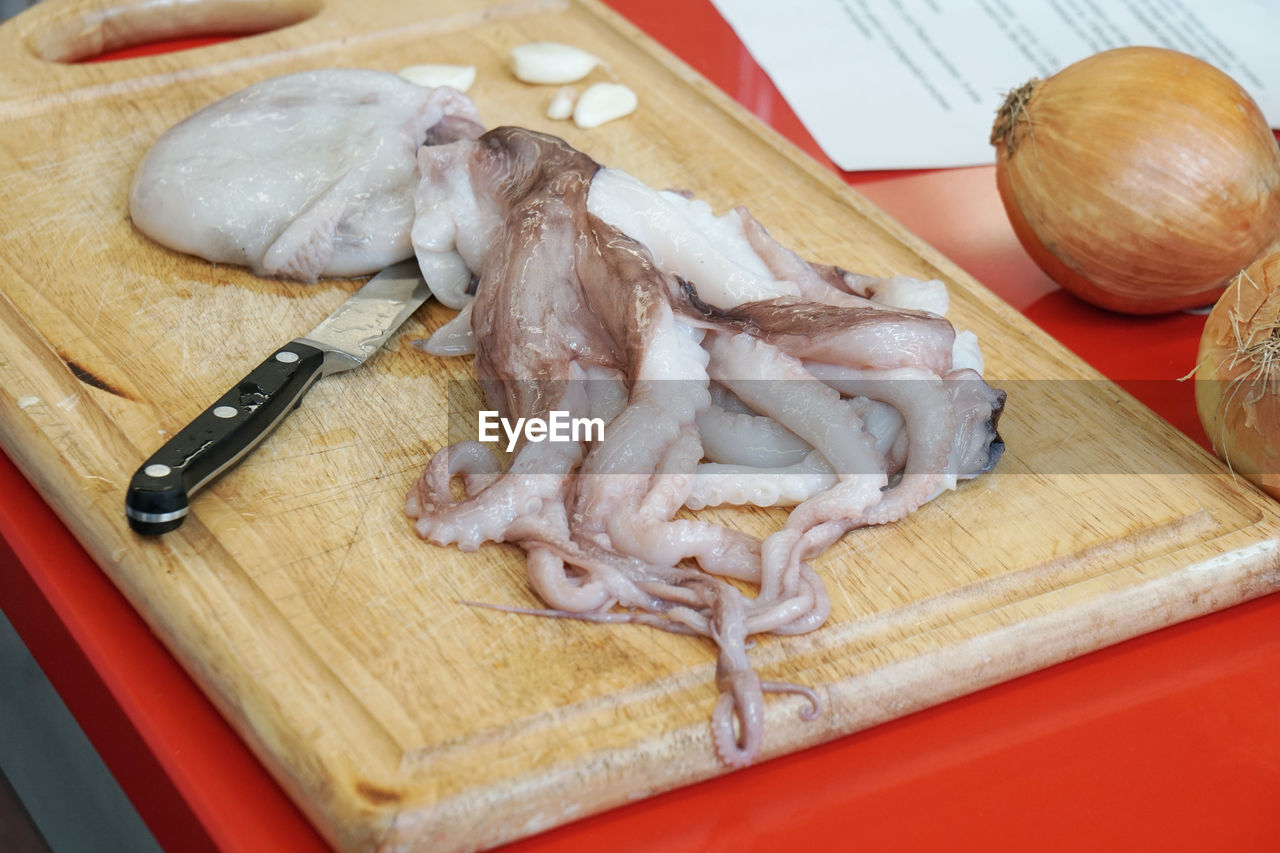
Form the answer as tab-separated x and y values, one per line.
217	439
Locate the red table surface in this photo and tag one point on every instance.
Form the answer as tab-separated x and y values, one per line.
1167	742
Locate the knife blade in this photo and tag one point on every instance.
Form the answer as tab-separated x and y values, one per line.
158	497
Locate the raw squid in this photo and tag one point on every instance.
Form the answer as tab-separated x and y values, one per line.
725	368
589	293
301	176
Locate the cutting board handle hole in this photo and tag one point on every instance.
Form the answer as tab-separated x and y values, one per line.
80	31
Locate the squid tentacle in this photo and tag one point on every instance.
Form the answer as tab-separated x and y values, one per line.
782	369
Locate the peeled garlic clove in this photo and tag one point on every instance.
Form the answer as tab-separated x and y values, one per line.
549	62
603	102
562	103
459	77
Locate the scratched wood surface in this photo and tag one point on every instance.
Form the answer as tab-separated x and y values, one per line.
334	640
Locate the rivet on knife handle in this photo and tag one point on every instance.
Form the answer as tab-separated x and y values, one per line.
159	493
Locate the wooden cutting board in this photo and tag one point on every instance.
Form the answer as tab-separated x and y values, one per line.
334	640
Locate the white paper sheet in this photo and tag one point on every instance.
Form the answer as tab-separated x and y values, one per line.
891	84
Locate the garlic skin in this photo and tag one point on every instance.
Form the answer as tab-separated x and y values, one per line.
562	103
1140	179
550	62
459	77
602	103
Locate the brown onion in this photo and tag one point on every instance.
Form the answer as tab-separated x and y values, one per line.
1141	179
1238	375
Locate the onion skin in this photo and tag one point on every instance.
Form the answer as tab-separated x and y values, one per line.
1140	179
1238	375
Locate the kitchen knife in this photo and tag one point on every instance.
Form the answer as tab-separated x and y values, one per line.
224	433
